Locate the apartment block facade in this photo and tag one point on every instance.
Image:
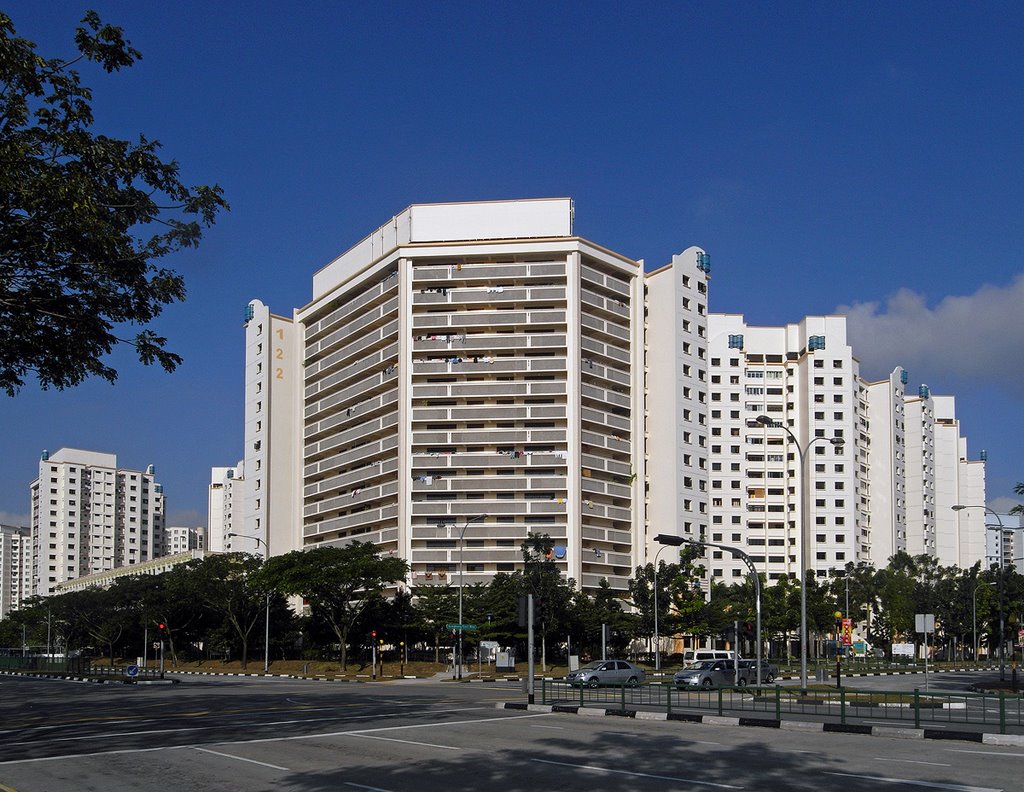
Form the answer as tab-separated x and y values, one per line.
677	427
466	370
225	509
804	378
15	560
183	538
88	515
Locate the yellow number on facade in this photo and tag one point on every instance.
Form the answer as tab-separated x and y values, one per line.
279	353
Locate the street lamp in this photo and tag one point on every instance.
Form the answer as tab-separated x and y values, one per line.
974	613
266	620
462	533
805	503
960	507
657	644
675	541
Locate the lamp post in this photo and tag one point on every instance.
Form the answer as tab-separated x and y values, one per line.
1002	627
805	503
266	620
675	541
462	533
974	613
657	643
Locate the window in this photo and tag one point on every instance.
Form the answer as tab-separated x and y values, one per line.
816	342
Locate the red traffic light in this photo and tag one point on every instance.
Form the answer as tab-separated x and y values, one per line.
373	634
162	626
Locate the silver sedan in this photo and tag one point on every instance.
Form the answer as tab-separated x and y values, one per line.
606	672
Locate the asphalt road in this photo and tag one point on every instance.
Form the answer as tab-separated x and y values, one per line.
261	734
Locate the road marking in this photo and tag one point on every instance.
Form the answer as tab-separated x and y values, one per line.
911	782
983	753
637	775
362	786
910	761
242	759
65	757
557	728
243	723
408	742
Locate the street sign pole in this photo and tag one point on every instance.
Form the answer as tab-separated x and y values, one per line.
529	652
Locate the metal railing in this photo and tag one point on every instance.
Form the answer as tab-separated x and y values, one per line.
996	710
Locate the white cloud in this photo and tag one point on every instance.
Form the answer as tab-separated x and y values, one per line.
976	337
1003	505
10	518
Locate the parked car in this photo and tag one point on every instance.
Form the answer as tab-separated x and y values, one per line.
748	668
711	673
606	672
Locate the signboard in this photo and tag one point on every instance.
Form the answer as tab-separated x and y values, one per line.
924	622
903	649
847	632
465	627
133	671
1020	637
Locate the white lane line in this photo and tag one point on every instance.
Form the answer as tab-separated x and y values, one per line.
228	724
555	728
407	742
910	761
363	786
243	759
984	753
636	775
911	782
267	739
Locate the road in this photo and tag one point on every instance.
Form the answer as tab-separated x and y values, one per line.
262	734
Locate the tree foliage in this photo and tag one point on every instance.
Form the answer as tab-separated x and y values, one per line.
338	582
84	218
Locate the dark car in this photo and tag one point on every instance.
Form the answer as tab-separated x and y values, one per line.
748	669
711	673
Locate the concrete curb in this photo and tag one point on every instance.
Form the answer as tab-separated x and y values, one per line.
73	678
890	732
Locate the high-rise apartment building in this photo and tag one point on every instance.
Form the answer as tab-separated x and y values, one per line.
466	369
14	561
225	509
677	410
959	480
89	515
804	378
181	539
891	446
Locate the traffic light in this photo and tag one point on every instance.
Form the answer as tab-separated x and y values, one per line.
373	633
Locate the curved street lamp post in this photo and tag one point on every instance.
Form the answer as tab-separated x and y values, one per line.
675	541
805	503
657	644
462	533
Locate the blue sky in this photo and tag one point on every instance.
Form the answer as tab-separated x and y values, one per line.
865	156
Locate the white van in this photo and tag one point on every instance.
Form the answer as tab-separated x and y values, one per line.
699	655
